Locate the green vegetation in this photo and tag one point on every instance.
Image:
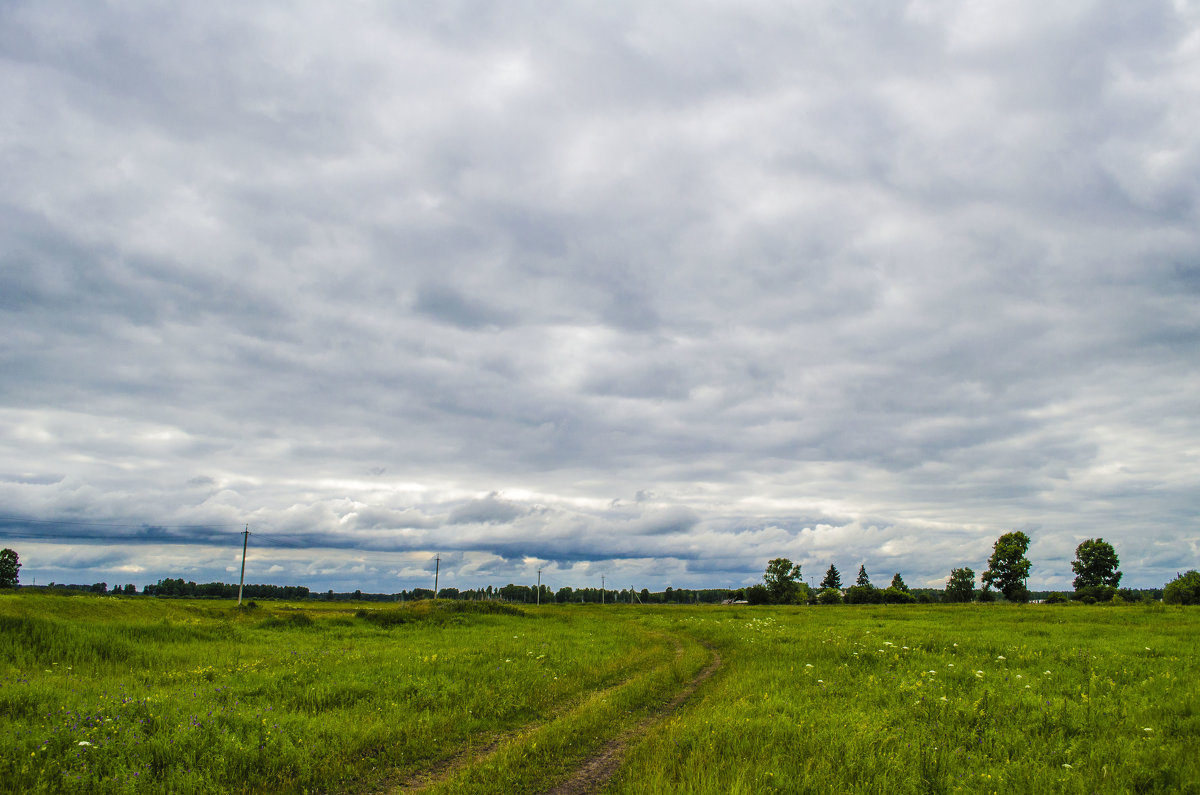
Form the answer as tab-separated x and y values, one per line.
108	694
1008	568
1007	698
1183	590
10	564
1096	564
961	586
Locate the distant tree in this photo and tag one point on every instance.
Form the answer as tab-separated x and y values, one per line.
563	595
448	593
100	587
862	577
833	579
1130	595
1008	567
782	581
1096	564
961	587
830	596
896	596
645	595
10	563
1183	590
1091	594
1056	599
130	589
985	595
863	595
758	595
898	583
517	593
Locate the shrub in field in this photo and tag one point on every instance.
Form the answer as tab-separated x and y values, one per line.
1056	599
1018	594
829	596
436	612
1091	594
895	596
863	595
1183	590
289	621
758	595
986	595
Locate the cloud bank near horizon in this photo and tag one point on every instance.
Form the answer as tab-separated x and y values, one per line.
656	293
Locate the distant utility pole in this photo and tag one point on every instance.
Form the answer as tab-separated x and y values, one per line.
601	589
242	581
539	601
437	565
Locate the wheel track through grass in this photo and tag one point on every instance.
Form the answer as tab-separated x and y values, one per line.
474	754
600	767
595	767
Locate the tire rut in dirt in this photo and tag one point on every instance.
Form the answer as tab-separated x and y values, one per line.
596	771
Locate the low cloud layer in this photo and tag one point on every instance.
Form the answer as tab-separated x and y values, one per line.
644	292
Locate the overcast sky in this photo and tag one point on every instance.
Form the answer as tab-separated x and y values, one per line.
653	291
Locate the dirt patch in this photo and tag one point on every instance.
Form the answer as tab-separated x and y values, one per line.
595	771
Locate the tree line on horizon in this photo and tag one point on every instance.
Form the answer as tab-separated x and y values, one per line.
1097	578
1095	566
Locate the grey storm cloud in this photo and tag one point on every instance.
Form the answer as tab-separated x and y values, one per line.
653	292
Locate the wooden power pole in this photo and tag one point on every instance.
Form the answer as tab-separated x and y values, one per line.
242	581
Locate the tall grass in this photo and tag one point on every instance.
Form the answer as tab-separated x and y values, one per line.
924	700
101	694
114	695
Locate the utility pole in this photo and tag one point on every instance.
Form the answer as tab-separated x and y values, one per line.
539	601
437	565
601	589
242	581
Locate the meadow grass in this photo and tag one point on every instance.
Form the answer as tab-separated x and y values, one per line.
911	699
103	694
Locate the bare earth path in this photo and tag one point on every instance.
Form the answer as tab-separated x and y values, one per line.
595	772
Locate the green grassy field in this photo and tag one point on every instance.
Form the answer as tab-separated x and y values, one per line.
104	694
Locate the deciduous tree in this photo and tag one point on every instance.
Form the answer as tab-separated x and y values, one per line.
1008	567
1096	564
9	564
782	581
961	587
1183	590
